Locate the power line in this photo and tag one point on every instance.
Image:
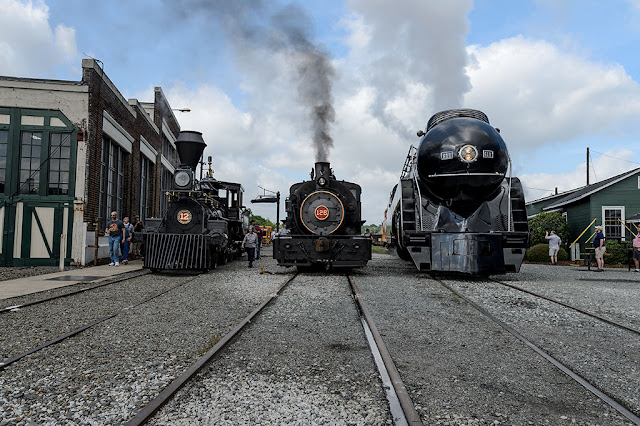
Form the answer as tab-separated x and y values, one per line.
611	156
538	189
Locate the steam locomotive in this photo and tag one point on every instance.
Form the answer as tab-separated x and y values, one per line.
204	223
455	209
324	220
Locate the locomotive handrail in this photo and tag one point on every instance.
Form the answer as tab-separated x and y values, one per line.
466	174
415	179
509	194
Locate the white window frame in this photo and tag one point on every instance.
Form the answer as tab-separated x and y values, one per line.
638	182
622	218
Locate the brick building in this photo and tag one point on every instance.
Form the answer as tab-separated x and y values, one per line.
70	153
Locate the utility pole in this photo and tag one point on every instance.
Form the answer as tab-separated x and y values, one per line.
587	166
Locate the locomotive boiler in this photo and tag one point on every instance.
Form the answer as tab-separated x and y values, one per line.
455	208
324	220
204	222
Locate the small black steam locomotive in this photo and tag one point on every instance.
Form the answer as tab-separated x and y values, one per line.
455	209
204	223
324	220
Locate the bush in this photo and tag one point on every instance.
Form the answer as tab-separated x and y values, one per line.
540	253
544	222
616	257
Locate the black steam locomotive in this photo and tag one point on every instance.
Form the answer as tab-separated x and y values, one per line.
204	223
455	209
324	220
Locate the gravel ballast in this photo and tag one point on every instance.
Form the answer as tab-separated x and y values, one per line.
459	366
305	360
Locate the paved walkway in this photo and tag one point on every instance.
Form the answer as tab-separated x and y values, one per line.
34	284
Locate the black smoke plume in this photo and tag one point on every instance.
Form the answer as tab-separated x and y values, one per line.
286	30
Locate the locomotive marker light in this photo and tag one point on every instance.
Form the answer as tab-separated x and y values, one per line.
468	153
183	178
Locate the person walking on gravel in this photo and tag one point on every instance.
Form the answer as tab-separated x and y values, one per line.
250	243
115	229
599	247
636	251
554	246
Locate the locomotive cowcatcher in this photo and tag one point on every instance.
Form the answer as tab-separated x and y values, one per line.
204	222
324	219
455	208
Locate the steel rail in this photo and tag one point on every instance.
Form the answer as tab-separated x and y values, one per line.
7	362
60	296
582	311
559	365
411	415
154	405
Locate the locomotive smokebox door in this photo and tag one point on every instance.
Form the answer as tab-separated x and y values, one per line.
322	244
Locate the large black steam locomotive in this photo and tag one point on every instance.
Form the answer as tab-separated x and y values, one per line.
204	223
455	209
324	220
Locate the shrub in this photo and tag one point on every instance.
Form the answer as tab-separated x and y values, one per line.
544	222
614	256
540	253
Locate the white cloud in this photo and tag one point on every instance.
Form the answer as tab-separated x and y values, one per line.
540	185
538	94
30	46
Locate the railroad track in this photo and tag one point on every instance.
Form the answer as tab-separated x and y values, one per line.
600	393
15	358
14	308
401	406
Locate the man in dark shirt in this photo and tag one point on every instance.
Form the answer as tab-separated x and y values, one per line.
115	230
138	227
599	248
258	232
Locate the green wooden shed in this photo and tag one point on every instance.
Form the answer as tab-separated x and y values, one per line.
611	202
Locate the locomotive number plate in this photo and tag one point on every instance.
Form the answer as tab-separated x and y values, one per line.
322	212
184	216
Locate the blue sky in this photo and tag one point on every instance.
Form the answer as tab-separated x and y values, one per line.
555	76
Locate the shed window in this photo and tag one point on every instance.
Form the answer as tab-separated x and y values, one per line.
59	163
4	138
30	162
613	218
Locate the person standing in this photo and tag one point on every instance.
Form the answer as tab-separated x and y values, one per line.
636	251
138	227
258	232
599	248
115	230
250	243
128	234
283	231
554	246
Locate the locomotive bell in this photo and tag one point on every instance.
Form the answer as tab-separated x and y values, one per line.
190	146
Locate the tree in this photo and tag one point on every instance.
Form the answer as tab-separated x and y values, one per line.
261	221
544	222
374	229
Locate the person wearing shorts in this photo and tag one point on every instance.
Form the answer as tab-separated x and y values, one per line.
554	246
636	251
598	245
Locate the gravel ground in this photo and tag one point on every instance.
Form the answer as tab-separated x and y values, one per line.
614	294
106	374
305	360
461	368
605	355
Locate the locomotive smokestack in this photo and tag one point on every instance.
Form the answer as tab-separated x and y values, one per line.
190	146
323	169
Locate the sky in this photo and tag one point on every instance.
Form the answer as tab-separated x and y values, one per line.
275	85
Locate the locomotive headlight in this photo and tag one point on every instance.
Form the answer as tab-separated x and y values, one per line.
468	153
182	179
322	181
